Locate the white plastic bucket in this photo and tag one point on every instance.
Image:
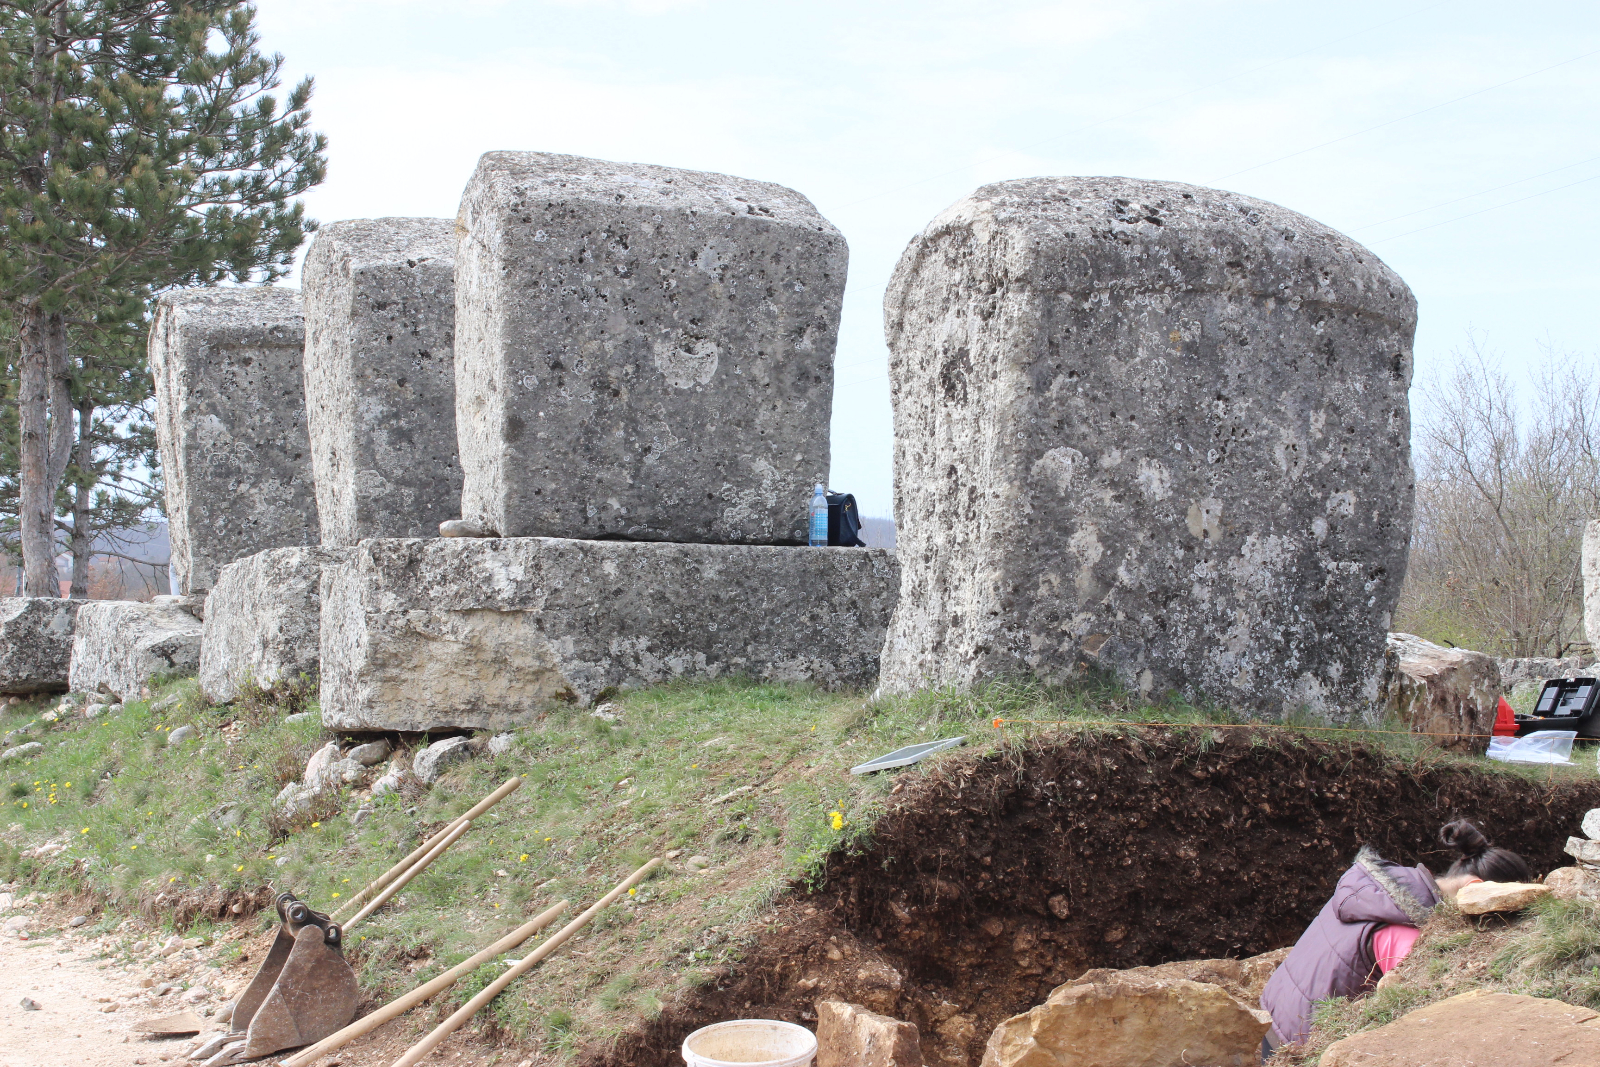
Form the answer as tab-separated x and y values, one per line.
745	1041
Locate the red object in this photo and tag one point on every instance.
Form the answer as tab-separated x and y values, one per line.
1505	720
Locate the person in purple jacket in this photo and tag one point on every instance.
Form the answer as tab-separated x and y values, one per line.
1335	957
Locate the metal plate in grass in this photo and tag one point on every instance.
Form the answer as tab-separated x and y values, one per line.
905	757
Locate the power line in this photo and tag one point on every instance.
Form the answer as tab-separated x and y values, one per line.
1121	116
1469	196
1495	207
1402	118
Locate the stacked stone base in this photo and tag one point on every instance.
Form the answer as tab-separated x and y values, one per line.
263	621
485	633
119	645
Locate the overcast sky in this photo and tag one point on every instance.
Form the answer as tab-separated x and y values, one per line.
1457	140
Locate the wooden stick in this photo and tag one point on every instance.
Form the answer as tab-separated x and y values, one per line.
400	868
411	872
405	1003
492	990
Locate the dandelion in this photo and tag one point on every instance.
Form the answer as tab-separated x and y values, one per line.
315	825
85	829
171	880
132	847
238	868
522	858
67	786
547	840
633	892
336	896
24	803
345	882
837	819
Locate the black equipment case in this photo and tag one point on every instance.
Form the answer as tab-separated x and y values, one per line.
1565	704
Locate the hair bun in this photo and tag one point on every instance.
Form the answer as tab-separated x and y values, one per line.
1464	837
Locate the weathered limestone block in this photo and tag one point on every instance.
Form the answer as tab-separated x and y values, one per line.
851	1036
455	633
118	645
1444	691
1479	1027
35	643
1573	883
642	352
1533	671
1245	979
380	377
1149	427
1121	1020
1591	583
230	417
263	621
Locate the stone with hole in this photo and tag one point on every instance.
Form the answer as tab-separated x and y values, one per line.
380	377
642	352
1153	429
230	418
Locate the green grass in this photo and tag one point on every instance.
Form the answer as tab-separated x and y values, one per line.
138	817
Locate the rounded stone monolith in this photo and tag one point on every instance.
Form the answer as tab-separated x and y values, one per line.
1154	429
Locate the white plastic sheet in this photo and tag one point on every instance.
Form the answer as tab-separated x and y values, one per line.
1546	746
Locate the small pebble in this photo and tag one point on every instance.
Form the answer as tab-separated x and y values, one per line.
77	921
29	1004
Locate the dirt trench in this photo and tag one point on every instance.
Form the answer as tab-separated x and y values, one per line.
996	878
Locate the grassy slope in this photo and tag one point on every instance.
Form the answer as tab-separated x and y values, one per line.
142	817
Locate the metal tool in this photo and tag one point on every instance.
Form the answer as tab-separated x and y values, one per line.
302	992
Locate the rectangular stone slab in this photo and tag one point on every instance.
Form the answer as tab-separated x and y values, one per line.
263	622
36	643
642	352
380	377
119	644
230	418
485	633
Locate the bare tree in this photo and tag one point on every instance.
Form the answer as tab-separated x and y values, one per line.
1503	492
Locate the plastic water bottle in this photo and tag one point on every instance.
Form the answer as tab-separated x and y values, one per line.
819	517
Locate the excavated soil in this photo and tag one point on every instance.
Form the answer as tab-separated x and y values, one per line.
994	879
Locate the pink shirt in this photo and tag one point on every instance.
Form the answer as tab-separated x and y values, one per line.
1391	943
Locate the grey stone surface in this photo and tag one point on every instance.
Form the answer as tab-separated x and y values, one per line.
1451	694
35	643
380	377
1591	583
22	751
1591	824
642	352
429	763
371	754
1152	428
230	416
458	633
180	735
263	621
119	644
1538	669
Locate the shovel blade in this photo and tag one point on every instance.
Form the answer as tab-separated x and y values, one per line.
314	995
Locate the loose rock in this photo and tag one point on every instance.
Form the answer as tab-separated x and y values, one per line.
851	1036
118	644
500	744
21	751
1591	824
432	761
180	735
464	528
77	921
372	753
1438	690
1476	1027
1124	1019
1579	848
1481	898
29	1004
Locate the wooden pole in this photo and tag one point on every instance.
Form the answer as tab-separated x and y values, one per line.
411	872
401	1005
400	868
492	990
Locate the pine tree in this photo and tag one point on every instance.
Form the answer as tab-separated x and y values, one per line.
134	157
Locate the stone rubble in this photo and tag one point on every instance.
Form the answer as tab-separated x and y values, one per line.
230	417
1152	428
699	414
429	763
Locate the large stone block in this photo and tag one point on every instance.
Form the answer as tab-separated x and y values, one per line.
1451	693
380	377
1591	583
1154	428
1476	1027
849	1035
642	352
35	643
264	621
230	417
461	632
119	644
